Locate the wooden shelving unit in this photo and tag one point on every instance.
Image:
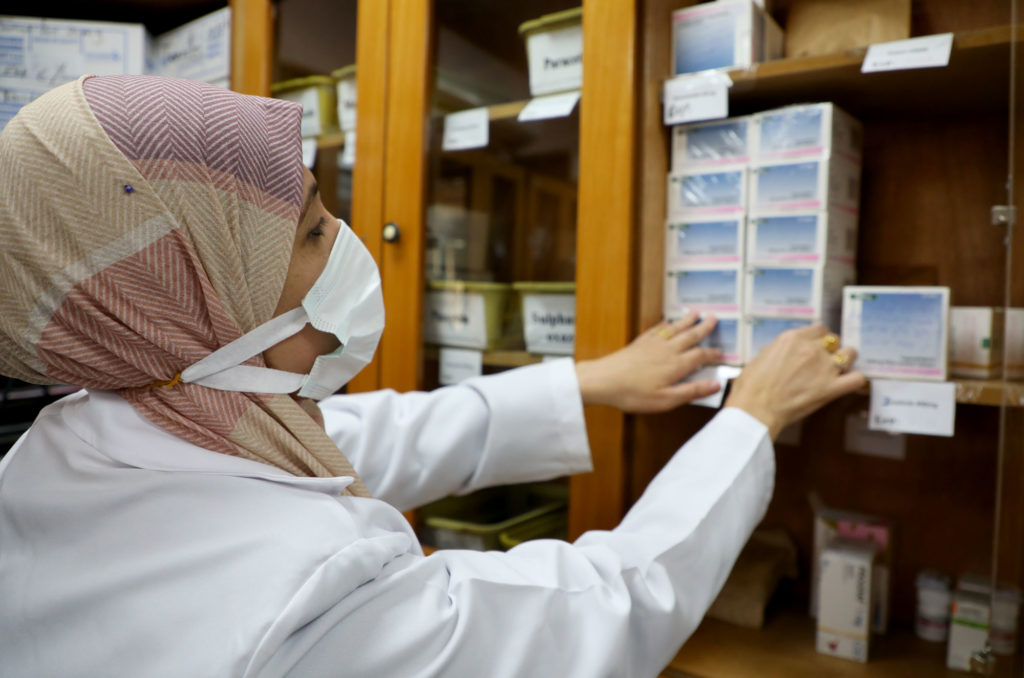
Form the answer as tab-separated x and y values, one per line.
496	358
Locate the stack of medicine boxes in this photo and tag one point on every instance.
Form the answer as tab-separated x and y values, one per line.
762	222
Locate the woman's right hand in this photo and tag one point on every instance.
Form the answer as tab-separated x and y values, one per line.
792	377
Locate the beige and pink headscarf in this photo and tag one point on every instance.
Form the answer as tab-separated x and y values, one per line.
146	222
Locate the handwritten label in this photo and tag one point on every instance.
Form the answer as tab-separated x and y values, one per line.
862	440
697	96
913	407
309	152
466	129
931	51
720	373
549	323
348	151
458	364
455	319
551	106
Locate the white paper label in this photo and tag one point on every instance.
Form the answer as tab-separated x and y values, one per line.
549	323
348	151
913	407
698	96
466	129
931	51
862	440
555	60
309	152
720	373
347	104
455	319
551	106
458	364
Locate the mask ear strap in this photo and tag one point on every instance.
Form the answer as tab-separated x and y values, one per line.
235	353
251	379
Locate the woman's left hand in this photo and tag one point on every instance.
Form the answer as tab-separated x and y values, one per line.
645	376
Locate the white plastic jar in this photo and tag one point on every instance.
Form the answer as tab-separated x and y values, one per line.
934	600
1005	612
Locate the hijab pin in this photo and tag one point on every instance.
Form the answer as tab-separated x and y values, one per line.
128	188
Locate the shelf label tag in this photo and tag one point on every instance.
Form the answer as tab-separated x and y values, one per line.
458	364
722	374
347	159
862	440
309	152
696	96
931	51
550	106
466	129
549	323
913	407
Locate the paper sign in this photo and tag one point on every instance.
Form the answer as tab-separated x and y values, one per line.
466	129
348	151
458	364
931	51
551	106
722	374
309	152
549	323
913	407
455	319
862	440
697	96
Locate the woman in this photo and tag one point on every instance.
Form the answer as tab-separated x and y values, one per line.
192	512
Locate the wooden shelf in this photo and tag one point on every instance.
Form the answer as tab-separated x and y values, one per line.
330	141
985	392
784	648
497	358
956	88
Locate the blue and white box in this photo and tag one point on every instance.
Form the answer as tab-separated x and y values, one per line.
723	34
199	50
803	238
845	605
759	331
899	332
715	290
805	185
727	336
807	131
712	144
797	291
700	241
722	190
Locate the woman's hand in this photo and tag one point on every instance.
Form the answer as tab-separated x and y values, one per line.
794	376
644	376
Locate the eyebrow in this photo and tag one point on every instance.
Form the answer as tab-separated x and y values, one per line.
313	189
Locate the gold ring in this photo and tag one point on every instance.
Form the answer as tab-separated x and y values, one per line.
842	360
831	343
664	333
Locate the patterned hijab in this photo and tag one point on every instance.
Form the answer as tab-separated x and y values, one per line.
145	223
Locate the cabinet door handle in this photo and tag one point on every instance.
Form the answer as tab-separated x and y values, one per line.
390	232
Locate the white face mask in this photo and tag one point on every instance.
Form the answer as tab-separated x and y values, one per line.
345	300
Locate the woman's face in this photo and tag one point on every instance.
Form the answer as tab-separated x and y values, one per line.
314	239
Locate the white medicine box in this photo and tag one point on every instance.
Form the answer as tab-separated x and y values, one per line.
199	50
554	51
717	191
968	628
797	291
714	290
802	238
805	185
705	240
807	131
1014	339
844	599
759	331
975	342
899	332
723	34
727	336
549	316
345	83
711	144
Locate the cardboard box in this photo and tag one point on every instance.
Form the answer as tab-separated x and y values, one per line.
831	26
719	191
723	34
728	337
802	238
975	342
701	241
845	605
715	290
805	185
759	331
199	50
711	144
345	83
807	131
797	291
899	332
968	628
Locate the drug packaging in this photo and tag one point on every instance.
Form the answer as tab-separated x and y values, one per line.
798	291
807	131
712	144
899	332
199	50
975	341
805	185
759	331
726	336
804	238
714	241
715	290
1015	343
707	192
844	599
968	628
723	34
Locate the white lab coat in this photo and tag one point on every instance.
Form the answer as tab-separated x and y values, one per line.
125	551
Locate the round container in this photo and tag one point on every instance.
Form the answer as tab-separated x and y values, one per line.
1005	612
934	600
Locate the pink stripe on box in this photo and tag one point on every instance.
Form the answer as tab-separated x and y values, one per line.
794	257
917	371
797	152
801	205
787	310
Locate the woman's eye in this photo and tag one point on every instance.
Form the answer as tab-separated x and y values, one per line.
318	230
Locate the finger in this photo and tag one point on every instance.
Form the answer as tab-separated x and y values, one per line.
688	391
697	333
844	384
677	326
843	358
813	331
698	357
